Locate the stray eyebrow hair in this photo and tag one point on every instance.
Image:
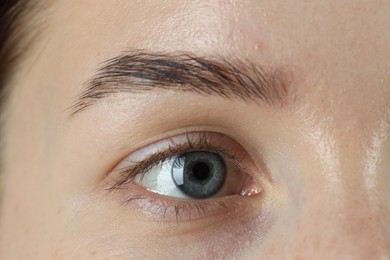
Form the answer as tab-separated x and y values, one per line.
143	71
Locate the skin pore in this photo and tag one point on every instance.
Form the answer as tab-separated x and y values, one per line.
320	162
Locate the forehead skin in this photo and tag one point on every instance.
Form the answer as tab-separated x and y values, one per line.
329	150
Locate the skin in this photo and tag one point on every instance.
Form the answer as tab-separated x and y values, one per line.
327	152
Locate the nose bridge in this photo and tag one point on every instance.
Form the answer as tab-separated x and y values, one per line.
362	214
346	210
361	226
351	231
352	222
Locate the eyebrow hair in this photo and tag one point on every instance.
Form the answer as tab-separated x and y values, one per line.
142	71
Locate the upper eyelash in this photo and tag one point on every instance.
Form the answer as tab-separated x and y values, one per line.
194	141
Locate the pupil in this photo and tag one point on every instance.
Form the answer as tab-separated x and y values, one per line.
201	171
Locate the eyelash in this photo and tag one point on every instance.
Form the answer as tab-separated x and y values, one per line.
180	208
203	142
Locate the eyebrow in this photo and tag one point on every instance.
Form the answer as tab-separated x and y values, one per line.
143	71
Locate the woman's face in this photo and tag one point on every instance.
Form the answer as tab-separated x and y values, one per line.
289	99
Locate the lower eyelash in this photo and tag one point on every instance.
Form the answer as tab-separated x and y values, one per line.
184	211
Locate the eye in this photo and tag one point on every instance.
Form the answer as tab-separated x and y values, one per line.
193	175
189	174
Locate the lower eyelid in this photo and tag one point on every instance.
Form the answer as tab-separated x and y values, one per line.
158	207
229	225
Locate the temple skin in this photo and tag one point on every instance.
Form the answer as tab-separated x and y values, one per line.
327	151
